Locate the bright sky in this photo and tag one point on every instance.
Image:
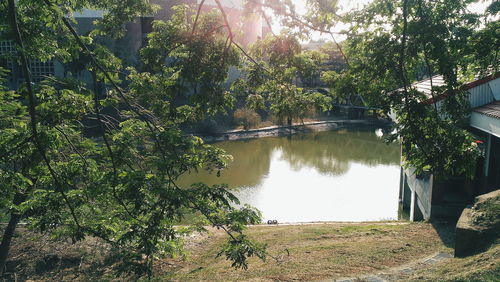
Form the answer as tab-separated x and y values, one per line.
347	5
344	5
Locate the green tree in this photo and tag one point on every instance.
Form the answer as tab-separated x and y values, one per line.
270	79
393	43
121	185
389	45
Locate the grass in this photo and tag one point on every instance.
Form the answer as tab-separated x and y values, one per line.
486	214
484	266
301	252
320	251
480	267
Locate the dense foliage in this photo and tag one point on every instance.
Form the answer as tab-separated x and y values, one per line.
271	75
396	43
80	162
390	45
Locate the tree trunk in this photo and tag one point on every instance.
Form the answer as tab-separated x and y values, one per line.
289	121
7	238
8	233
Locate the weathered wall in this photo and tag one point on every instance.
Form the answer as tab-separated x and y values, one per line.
420	189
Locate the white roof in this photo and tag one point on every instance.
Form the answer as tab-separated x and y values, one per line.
424	86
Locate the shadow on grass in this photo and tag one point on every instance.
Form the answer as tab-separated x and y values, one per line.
52	266
446	230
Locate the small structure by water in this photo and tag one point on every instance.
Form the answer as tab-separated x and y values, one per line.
427	197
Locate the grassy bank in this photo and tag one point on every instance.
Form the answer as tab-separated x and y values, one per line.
301	252
314	252
480	267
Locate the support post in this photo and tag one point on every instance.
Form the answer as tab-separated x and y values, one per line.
407	192
415	213
401	185
487	156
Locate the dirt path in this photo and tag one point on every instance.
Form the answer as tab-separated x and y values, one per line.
400	273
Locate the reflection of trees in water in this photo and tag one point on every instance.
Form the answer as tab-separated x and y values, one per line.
252	159
328	152
331	152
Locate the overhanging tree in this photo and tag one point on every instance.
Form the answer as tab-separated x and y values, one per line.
389	45
270	79
398	40
120	185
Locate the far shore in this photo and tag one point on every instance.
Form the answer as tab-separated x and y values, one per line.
285	130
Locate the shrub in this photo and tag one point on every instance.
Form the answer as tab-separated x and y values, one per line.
246	117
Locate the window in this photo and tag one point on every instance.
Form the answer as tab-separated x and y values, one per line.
6	46
6	49
39	70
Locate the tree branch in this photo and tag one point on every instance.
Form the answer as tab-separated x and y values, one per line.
304	23
32	110
200	6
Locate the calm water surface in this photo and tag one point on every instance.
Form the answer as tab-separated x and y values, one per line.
325	176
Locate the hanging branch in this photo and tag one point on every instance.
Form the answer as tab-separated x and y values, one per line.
429	71
340	50
226	230
268	22
306	24
151	126
200	6
402	73
402	51
110	151
230	37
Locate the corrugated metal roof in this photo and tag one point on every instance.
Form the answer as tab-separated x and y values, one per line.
491	109
424	86
480	91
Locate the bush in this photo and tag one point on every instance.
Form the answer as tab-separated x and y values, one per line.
246	117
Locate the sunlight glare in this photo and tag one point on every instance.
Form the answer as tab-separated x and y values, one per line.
348	5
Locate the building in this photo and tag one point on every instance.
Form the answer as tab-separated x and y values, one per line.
247	28
427	197
39	70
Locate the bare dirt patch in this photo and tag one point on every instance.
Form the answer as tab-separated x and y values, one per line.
42	258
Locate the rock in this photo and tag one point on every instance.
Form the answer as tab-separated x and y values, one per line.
466	235
473	231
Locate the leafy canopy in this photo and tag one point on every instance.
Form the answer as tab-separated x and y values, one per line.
88	162
270	79
390	45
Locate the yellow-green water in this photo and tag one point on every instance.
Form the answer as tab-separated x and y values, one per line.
346	175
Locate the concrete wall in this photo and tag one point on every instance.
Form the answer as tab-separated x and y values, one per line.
416	194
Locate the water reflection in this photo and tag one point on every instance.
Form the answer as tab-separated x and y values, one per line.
337	175
332	152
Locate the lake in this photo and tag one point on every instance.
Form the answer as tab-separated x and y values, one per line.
344	175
